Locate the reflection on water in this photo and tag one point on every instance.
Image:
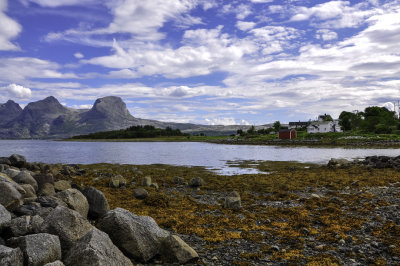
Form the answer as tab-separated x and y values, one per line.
212	156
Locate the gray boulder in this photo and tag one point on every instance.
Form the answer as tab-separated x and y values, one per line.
117	181
4	167
196	182
5	160
47	189
10	196
98	204
140	193
51	201
5	217
10	256
146	181
29	191
67	224
24	177
175	250
25	225
75	201
12	172
38	249
95	248
62	185
17	160
137	236
232	201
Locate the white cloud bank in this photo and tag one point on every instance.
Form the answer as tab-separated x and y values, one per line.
9	29
17	91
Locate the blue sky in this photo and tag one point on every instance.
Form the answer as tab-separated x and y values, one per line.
203	61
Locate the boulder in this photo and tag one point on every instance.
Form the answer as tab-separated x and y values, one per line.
51	201
4	167
24	177
5	160
179	180
196	182
62	185
137	236
75	201
117	181
29	191
12	172
67	224
17	160
10	256
21	226
232	201
98	204
38	249
175	250
338	163
5	217
140	193
31	209
47	189
55	263
146	181
42	179
10	197
95	248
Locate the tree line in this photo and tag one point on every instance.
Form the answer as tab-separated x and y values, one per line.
133	132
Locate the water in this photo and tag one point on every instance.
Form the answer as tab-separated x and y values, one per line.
212	156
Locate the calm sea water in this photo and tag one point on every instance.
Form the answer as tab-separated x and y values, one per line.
212	156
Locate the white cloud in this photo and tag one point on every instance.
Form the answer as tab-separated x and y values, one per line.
226	121
245	25
326	35
82	106
242	11
58	3
261	1
79	55
17	91
9	29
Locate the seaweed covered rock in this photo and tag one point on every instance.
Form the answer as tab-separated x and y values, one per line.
11	256
98	204
196	182
174	249
75	200
140	193
95	248
137	236
38	249
67	224
233	201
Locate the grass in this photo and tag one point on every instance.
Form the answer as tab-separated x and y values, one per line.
325	219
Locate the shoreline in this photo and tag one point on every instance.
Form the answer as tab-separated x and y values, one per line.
343	213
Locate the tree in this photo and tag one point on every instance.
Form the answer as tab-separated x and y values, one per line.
251	130
277	125
350	120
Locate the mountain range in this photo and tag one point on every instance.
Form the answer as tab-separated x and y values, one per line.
48	118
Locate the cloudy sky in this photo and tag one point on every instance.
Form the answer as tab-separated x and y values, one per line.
203	61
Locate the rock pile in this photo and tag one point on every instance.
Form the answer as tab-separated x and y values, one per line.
43	222
379	162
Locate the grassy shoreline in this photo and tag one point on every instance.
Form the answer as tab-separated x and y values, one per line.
297	214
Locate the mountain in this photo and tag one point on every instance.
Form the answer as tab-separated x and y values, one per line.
48	118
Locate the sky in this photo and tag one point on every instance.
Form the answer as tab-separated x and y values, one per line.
204	61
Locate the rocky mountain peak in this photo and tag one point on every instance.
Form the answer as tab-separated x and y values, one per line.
9	111
108	107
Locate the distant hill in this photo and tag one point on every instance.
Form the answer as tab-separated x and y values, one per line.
48	118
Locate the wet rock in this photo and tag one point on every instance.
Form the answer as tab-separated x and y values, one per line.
95	248
196	182
17	160
38	249
75	200
42	179
47	189
24	177
117	181
98	204
137	236
62	185
5	217
140	193
67	224
232	201
146	181
174	249
10	256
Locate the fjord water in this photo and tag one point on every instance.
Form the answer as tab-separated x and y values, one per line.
212	156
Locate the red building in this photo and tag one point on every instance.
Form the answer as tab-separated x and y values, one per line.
287	134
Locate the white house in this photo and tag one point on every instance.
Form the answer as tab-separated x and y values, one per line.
324	127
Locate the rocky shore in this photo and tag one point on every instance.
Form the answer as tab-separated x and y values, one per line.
344	213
